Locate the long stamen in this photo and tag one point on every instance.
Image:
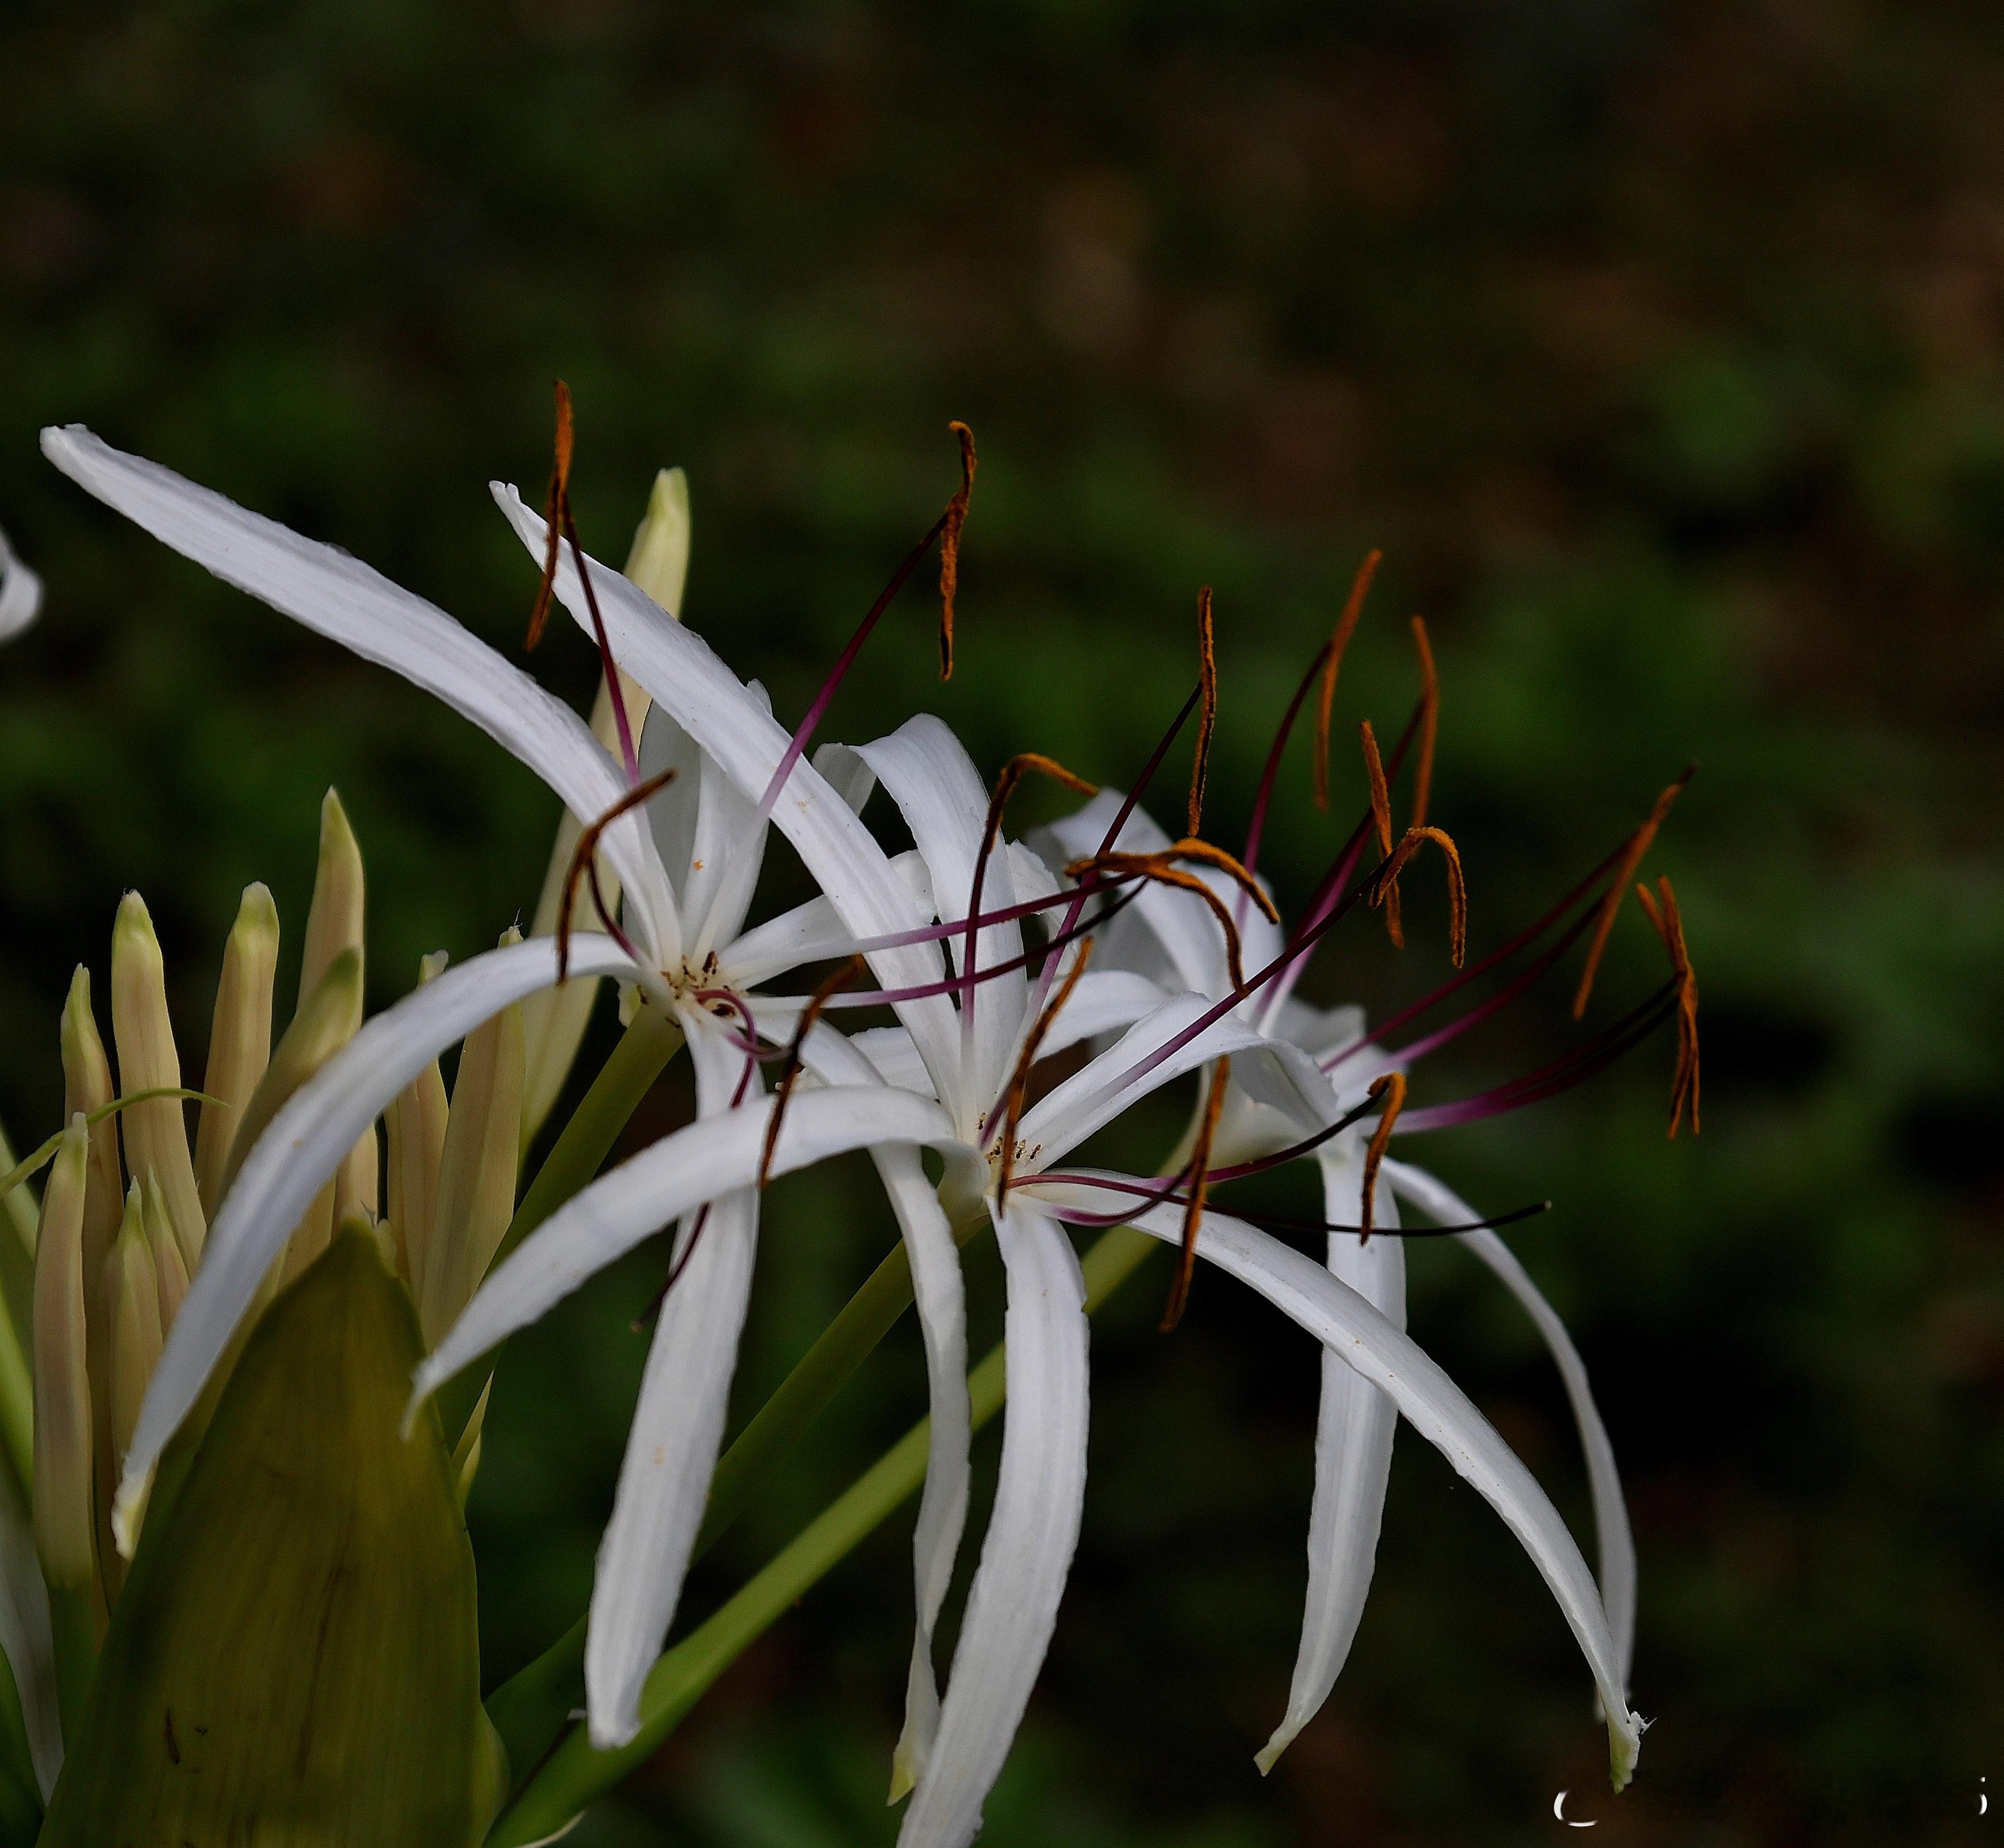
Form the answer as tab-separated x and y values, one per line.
852	970
629	756
1669	921
1207	725
1381	817
1143	1198
954	518
1392	1088
1639	844
1345	626
1263	798
1199	1185
585	859
553	502
1156	867
1013	773
1423	775
1018	1088
797	745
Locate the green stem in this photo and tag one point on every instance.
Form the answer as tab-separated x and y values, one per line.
575	1774
17	1405
73	1623
579	1151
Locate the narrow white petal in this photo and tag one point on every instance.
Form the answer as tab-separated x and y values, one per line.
1438	1408
1273	1074
677	1425
678	668
847	773
25	1635
20	594
1012	1606
674	1176
664	746
337	595
297	1155
894	1057
936	1287
1610	1509
728	849
814	931
945	803
1353	1455
1103	1001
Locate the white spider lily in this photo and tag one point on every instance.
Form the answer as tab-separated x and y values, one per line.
685	911
952	1104
1162	932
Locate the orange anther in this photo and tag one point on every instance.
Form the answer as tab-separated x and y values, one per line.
1200	1164
556	513
1423	777
1639	844
1669	924
955	518
1392	1087
1346	626
1207	723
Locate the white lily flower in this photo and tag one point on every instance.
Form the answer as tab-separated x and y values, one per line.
959	1105
1357	1423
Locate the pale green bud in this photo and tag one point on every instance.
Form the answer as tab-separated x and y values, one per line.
417	1144
659	561
87	1087
334	922
319	1029
239	1038
132	1314
478	1167
65	1533
155	1132
169	1271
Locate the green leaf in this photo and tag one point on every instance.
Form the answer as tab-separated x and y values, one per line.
294	1659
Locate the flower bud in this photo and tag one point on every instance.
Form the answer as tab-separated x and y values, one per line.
659	561
168	1271
240	1038
417	1143
65	1524
476	1169
87	1087
132	1314
155	1132
334	921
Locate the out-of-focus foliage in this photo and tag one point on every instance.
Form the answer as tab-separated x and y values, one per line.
1662	348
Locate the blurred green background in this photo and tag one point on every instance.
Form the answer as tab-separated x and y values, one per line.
1662	348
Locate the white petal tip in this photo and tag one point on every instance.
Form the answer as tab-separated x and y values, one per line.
1624	1746
610	1732
903	1782
1269	1754
129	1510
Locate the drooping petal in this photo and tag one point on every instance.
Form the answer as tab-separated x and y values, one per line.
930	777
1610	1509
1273	1074
671	1447
20	594
1039	1495
1439	1410
1353	1434
718	709
676	1175
938	1292
342	598
299	1152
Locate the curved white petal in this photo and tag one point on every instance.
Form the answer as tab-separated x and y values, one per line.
664	746
297	1155
725	857
847	773
680	670
937	1288
676	1175
1610	1511
1353	1435
328	590
1103	1001
20	596
1438	1408
1273	1074
1012	1606
945	803
814	931
25	1637
677	1425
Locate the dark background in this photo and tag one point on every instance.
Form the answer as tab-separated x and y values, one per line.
1662	347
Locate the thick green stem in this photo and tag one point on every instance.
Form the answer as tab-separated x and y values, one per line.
575	1774
73	1621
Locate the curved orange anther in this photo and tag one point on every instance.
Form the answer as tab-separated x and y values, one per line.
955	518
1193	1201
1207	723
1423	775
1157	866
1669	923
1639	844
1204	852
1392	1087
556	506
1346	626
1019	1079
